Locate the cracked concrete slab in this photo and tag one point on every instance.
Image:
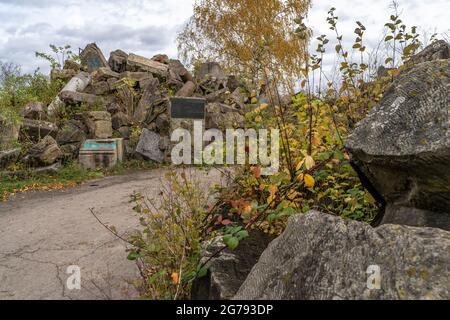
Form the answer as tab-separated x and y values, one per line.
42	233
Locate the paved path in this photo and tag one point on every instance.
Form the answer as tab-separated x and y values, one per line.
41	234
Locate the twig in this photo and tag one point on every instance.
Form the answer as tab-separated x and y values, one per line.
111	230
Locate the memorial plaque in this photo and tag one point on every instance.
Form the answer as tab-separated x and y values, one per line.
187	108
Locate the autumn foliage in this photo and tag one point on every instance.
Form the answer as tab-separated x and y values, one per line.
247	37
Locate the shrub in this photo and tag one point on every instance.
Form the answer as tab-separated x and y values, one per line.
168	248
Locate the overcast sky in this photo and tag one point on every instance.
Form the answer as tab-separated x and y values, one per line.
148	27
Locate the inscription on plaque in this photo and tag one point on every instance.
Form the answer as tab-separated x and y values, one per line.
187	108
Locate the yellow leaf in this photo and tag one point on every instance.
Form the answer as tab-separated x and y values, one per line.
247	209
300	165
263	106
309	181
315	141
273	189
310	163
346	156
300	177
175	277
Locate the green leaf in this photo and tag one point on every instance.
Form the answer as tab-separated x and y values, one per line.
241	235
231	242
202	272
133	255
272	217
388	38
287	212
390	26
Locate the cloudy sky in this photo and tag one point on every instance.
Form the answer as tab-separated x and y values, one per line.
148	27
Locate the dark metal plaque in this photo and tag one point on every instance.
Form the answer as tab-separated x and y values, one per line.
187	108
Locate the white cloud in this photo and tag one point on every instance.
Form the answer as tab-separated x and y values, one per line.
150	26
145	27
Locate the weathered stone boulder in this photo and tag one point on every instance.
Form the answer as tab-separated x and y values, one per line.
233	83
221	116
101	88
402	149
92	58
119	120
228	271
45	152
62	75
34	110
161	58
114	107
99	124
77	84
118	61
71	132
105	73
435	51
210	70
237	100
149	96
36	129
9	157
162	124
139	63
124	132
9	134
215	96
72	65
180	71
72	97
148	146
322	257
187	90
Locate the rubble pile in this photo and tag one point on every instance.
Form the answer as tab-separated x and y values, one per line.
115	98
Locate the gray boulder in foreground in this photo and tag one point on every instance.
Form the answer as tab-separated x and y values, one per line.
402	149
324	257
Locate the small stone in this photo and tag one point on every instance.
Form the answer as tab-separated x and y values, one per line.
148	146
